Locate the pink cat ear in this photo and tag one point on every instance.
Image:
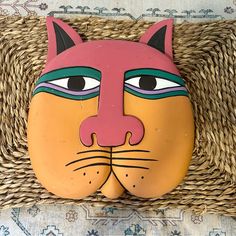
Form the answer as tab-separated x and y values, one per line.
60	37
159	36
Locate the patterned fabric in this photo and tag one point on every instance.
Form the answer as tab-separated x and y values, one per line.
85	220
143	9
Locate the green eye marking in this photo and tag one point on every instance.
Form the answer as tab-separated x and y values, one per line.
155	72
157	96
169	85
65	95
70	71
43	85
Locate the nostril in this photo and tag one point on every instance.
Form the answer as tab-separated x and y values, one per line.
137	132
87	132
133	141
128	136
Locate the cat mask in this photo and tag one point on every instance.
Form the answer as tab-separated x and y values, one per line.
110	115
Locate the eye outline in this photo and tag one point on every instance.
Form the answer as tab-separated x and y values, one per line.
159	93
43	83
163	80
70	71
67	78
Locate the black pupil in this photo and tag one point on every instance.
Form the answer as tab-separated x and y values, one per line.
76	83
147	82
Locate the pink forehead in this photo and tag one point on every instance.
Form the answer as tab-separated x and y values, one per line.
116	55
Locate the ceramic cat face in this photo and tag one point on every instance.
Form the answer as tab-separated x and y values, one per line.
111	115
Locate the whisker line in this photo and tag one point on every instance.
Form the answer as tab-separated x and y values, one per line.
130	158
130	151
87	158
97	150
125	166
94	164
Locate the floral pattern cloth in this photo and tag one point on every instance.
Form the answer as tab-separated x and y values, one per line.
85	220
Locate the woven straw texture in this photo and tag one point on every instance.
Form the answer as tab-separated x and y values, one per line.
205	54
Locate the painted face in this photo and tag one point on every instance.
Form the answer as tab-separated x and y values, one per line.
111	115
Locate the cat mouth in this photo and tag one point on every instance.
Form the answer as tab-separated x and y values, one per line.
107	158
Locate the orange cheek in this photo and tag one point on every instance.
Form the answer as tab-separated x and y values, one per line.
53	139
169	136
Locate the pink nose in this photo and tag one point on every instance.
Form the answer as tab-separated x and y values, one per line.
110	130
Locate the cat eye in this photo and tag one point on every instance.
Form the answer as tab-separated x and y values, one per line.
76	83
150	83
154	84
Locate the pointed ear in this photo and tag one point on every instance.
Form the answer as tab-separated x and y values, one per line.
60	37
159	36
